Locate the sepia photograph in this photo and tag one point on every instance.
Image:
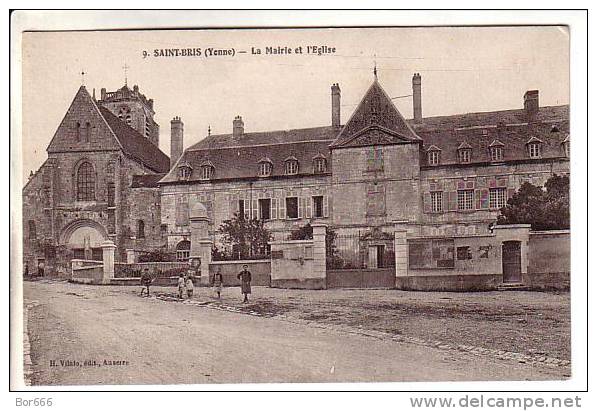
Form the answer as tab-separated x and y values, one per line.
294	205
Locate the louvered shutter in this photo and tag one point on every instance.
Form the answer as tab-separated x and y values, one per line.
282	214
255	210
484	198
478	199
325	206
427	202
301	207
308	206
247	209
453	200
274	208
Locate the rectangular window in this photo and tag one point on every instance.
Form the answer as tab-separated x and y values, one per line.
433	157
465	199
436	201
375	159
111	222
317	206
465	156
265	208
497	154
241	209
464	253
164	229
32	230
534	150
497	197
292	207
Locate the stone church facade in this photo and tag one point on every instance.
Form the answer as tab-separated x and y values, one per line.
440	175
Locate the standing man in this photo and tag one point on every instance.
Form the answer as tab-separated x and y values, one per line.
145	281
40	268
245	282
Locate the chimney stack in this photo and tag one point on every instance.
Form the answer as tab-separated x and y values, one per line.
417	107
335	105
238	127
531	103
103	93
176	140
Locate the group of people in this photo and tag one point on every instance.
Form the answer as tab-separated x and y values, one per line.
186	286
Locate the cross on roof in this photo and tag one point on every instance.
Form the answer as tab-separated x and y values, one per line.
83	77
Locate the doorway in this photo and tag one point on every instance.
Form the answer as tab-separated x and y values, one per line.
511	265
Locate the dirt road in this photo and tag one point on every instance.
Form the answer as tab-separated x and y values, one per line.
108	335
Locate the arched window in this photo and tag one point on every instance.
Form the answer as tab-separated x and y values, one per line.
85	182
140	229
319	165
78	131
183	250
87	132
265	167
292	166
207	172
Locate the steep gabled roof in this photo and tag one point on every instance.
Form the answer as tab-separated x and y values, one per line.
376	112
135	145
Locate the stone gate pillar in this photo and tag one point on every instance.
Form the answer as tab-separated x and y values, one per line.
200	242
319	253
108	249
400	250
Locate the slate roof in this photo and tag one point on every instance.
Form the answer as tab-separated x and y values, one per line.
513	137
243	162
375	108
146	180
135	145
268	137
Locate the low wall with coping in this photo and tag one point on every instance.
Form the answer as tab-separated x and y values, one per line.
156	269
295	265
260	271
549	260
92	274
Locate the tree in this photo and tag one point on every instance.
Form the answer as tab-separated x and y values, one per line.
306	233
249	237
545	208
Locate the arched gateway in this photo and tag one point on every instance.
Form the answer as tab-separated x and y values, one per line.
84	238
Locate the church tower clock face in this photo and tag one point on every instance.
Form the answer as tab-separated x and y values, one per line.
124	114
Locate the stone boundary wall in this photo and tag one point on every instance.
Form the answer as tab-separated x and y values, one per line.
156	269
260	271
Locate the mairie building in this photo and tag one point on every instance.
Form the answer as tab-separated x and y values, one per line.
105	177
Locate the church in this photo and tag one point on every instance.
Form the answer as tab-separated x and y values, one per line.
105	177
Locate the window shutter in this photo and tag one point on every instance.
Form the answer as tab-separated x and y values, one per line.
255	209
427	202
452	200
325	206
247	209
308	204
274	208
301	207
478	199
484	198
445	205
282	214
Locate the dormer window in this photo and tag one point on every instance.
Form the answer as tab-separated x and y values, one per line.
496	150
184	171
433	156
292	166
319	164
464	153
207	171
265	167
534	147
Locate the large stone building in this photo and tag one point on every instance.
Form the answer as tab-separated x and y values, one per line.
441	175
90	188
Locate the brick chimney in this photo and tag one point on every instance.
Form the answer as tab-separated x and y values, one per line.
417	107
176	140
335	105
238	127
531	103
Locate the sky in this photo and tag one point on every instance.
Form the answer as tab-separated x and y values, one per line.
463	69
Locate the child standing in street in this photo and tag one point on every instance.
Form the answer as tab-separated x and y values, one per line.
181	286
218	280
190	286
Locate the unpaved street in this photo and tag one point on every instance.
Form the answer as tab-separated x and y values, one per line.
115	337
